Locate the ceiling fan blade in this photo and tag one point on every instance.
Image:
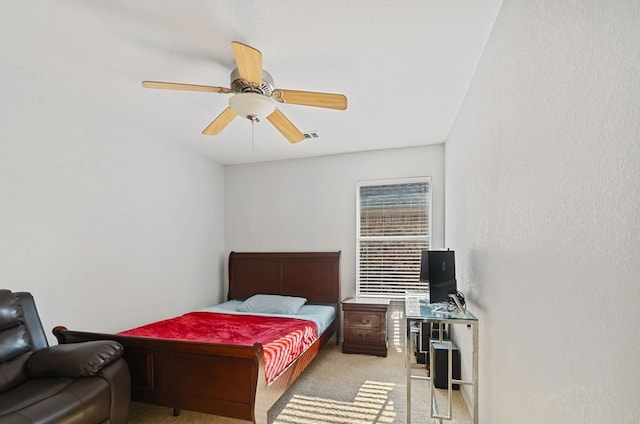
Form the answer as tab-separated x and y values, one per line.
310	98
220	122
285	126
249	62
186	87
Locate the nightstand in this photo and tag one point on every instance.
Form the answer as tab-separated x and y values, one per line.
365	326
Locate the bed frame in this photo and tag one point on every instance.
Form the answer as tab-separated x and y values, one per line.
223	379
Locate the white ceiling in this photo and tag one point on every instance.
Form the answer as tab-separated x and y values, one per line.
405	66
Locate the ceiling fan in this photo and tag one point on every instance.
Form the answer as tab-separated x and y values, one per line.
254	95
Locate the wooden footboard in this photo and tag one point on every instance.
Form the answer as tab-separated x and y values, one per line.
217	379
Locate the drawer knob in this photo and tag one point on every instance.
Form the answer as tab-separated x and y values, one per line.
365	321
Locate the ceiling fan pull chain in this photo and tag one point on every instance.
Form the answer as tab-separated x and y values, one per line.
253	125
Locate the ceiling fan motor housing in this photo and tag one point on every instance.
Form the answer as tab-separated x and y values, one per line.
239	85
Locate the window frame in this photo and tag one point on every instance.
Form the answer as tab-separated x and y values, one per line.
386	182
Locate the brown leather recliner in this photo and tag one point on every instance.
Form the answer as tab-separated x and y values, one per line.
86	383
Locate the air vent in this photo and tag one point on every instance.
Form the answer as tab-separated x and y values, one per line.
311	134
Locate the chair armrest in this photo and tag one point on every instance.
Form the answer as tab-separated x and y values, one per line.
74	360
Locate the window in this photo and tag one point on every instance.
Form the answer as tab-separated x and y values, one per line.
393	227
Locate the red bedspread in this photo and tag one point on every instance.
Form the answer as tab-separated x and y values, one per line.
283	339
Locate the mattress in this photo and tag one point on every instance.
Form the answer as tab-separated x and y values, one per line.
322	315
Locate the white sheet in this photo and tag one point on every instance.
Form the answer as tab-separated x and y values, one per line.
322	315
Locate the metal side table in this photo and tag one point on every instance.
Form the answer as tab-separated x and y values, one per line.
418	311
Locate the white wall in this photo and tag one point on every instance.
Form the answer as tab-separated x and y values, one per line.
310	204
543	209
107	226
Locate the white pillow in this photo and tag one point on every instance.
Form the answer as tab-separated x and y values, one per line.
272	304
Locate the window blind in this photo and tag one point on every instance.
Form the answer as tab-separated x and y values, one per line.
393	229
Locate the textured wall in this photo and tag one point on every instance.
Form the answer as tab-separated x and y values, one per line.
543	209
106	225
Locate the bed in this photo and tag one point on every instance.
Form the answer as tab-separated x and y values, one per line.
225	379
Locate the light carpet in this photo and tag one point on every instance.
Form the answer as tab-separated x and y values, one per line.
336	389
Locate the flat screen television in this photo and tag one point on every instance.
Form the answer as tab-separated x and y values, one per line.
438	268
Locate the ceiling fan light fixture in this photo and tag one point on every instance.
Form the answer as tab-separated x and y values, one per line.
252	106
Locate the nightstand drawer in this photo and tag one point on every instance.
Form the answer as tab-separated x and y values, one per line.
364	336
365	320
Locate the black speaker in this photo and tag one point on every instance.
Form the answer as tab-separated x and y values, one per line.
441	359
427	331
432	331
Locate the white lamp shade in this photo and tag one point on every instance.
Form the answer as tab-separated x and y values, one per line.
251	105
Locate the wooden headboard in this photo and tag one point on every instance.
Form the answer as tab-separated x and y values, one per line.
314	275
